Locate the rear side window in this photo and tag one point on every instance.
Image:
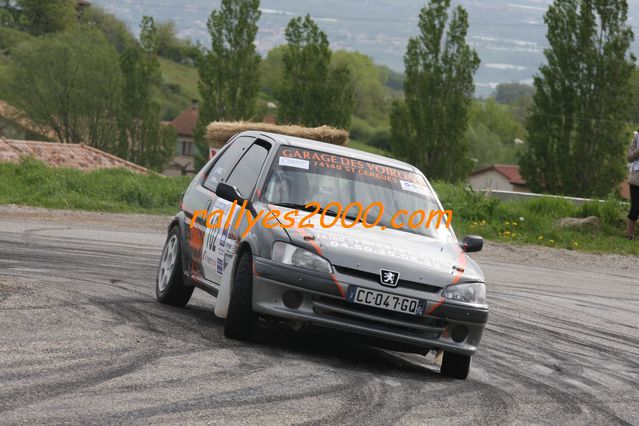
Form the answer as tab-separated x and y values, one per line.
244	176
227	160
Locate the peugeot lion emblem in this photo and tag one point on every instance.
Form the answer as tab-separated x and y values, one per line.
388	278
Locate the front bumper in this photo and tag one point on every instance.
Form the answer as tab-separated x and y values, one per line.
322	304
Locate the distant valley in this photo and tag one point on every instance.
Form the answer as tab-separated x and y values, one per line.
509	35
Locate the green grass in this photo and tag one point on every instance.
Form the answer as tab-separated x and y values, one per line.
533	221
353	143
32	183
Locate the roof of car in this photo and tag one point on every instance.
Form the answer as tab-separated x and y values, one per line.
333	149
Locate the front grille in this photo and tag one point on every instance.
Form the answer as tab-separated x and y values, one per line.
425	326
375	277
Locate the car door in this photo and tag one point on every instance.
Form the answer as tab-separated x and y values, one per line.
201	197
220	242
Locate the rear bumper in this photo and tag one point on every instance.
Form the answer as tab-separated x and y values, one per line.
322	304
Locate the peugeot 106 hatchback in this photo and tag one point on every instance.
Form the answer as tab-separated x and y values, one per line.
318	235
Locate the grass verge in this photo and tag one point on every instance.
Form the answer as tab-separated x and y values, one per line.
534	221
32	183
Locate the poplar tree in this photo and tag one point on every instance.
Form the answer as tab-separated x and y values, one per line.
228	71
577	121
143	138
428	127
311	93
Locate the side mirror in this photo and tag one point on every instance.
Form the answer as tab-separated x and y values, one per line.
472	243
228	193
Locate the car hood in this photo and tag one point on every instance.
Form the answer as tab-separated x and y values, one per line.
417	258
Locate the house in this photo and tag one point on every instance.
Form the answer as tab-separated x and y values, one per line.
501	177
54	154
183	163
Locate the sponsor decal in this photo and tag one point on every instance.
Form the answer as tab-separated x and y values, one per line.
413	187
214	249
294	162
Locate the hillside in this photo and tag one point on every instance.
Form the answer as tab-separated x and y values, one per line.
180	87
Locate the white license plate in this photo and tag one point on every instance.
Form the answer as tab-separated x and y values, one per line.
391	302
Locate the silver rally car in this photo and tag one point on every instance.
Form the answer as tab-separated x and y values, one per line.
262	227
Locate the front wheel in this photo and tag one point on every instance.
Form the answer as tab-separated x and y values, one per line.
169	284
455	365
240	319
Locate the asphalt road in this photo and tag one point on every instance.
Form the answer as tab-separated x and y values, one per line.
84	341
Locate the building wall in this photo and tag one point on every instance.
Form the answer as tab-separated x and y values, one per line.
490	180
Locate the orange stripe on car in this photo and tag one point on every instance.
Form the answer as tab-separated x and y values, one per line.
456	278
460	271
435	306
317	248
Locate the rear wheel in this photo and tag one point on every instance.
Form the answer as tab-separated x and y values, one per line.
240	319
455	365
169	284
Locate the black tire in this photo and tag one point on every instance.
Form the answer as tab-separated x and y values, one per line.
172	292
455	365
240	319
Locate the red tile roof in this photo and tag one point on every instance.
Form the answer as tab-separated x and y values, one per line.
510	172
185	123
76	156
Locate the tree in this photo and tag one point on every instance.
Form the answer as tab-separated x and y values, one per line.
576	125
115	31
69	82
228	71
428	127
272	70
171	46
492	130
311	93
10	13
633	113
48	16
370	100
509	93
142	137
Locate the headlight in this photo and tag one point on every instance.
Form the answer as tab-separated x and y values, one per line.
467	293
297	256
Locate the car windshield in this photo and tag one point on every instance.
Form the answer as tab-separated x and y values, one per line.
299	176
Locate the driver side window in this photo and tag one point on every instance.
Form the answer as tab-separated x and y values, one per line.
227	161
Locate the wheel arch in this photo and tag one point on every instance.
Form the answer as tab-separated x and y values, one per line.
179	221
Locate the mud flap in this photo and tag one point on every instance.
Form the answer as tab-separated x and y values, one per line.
224	294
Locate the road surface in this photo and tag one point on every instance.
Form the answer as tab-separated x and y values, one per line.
84	341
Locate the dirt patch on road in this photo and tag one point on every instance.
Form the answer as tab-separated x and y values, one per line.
556	258
93	219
